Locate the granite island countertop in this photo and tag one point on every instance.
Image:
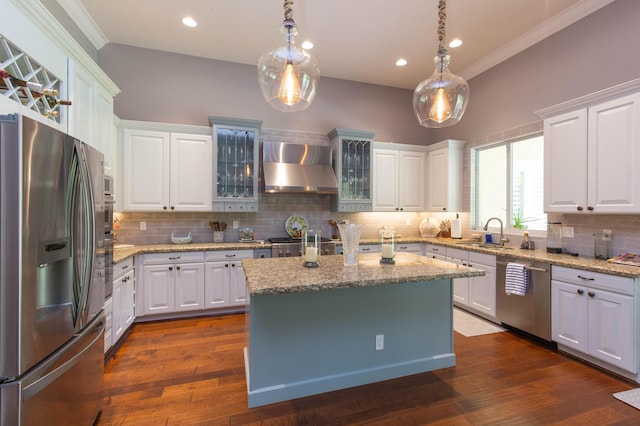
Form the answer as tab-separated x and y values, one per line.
288	275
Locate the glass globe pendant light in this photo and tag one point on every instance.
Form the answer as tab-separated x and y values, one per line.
287	74
441	100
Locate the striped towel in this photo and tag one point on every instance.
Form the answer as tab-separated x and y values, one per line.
517	279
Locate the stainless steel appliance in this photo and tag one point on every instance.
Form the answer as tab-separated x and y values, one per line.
530	313
109	237
286	247
51	282
291	167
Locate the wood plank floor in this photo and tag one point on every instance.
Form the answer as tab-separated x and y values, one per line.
191	372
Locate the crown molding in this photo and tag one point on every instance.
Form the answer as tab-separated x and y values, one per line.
85	22
539	33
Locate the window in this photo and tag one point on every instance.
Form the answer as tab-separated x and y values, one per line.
509	185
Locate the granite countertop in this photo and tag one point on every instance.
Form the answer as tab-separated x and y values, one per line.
288	275
127	250
584	263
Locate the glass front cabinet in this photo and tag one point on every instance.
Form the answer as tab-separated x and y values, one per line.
351	151
235	164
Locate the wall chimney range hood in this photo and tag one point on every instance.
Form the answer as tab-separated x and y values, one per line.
292	167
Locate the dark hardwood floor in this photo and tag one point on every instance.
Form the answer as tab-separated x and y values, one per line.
191	372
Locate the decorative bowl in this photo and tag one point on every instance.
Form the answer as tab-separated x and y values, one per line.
181	240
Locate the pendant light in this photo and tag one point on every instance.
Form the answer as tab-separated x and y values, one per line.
440	100
287	74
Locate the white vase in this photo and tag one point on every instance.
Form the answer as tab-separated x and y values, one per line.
350	235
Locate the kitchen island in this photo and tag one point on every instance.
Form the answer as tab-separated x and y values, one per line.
314	330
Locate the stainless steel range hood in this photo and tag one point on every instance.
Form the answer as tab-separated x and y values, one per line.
291	167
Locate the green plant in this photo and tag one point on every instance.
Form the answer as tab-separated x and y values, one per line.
519	221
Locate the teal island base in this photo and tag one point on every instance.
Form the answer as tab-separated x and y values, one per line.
311	342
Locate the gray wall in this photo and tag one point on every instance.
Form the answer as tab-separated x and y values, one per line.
167	87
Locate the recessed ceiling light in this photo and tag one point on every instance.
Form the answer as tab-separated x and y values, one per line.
189	22
456	42
401	62
307	45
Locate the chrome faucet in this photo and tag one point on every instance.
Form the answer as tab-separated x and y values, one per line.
502	238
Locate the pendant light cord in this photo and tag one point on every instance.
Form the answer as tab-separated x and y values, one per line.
442	17
288	10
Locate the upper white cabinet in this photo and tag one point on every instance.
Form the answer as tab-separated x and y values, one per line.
351	150
166	171
444	176
235	164
398	177
592	158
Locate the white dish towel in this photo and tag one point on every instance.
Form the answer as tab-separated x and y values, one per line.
517	279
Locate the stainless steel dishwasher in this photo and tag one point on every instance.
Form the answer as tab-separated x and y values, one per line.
530	313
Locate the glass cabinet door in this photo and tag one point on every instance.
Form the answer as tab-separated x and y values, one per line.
235	164
355	177
352	150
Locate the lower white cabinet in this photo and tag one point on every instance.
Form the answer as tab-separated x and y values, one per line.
122	303
108	324
172	282
225	283
594	315
415	248
476	293
435	252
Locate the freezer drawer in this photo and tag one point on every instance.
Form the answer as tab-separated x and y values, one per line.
65	389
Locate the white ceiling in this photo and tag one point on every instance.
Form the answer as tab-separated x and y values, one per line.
356	40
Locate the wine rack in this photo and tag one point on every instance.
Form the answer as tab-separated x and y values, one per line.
24	71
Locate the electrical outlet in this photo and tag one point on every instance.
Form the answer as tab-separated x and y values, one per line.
379	342
235	224
567	231
143	226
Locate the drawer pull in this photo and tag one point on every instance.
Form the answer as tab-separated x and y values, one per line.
586	278
174	258
230	255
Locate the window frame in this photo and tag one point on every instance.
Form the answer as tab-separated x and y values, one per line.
494	226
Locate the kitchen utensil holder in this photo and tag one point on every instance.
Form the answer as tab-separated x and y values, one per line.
218	236
350	235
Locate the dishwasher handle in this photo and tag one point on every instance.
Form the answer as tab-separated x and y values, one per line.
533	268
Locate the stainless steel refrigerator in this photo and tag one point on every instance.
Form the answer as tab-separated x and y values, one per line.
52	276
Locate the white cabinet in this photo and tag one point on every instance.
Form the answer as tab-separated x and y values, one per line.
172	282
435	252
91	112
476	293
444	176
594	316
122	299
225	284
351	151
415	248
166	171
398	177
602	143
235	164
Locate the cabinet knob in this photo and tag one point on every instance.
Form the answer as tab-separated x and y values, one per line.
590	208
226	265
171	268
591	294
580	291
579	208
164	207
233	265
172	208
178	268
444	209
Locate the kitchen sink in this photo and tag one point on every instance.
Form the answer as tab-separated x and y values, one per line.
484	245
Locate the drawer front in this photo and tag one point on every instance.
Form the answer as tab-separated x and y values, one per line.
457	254
434	249
121	268
174	257
218	255
593	279
485	259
